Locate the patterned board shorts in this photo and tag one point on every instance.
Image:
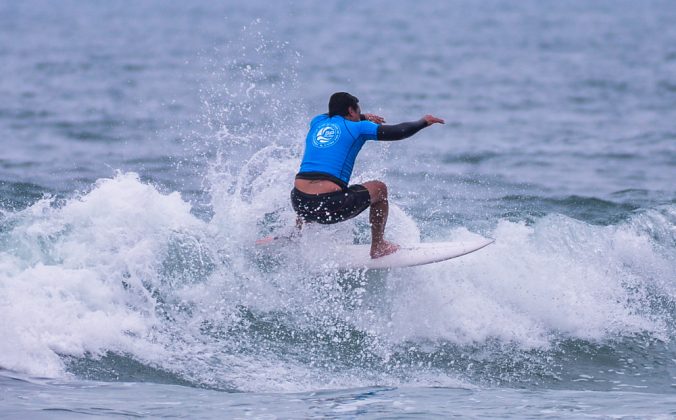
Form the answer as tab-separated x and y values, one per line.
331	207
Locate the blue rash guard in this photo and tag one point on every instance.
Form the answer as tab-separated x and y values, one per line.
332	145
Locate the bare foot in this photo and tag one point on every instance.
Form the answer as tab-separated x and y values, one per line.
382	249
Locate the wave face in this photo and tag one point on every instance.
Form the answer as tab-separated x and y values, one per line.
125	279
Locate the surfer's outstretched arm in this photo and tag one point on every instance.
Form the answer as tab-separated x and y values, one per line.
406	129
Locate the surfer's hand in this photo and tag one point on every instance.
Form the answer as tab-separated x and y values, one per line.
431	119
374	118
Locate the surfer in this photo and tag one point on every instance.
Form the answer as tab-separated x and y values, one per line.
321	193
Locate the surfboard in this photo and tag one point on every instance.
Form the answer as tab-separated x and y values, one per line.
358	256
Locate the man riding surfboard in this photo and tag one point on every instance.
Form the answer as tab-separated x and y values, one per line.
321	192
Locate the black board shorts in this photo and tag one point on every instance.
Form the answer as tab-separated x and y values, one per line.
331	207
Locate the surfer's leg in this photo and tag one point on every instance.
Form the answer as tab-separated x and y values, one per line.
299	206
299	226
378	219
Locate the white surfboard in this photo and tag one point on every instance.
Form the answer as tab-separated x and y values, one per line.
358	256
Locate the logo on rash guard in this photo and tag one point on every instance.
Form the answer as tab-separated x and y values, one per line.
327	136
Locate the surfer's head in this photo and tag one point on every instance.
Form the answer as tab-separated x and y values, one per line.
341	102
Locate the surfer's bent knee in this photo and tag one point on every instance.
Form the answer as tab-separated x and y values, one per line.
377	191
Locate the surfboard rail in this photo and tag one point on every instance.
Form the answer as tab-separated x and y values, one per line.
409	255
348	257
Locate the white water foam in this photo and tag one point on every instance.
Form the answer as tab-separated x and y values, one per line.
127	269
75	277
559	277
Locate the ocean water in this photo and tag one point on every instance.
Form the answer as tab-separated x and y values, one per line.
147	145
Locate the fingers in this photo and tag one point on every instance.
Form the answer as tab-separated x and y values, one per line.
431	119
375	118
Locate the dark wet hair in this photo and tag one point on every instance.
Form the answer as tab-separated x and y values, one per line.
340	102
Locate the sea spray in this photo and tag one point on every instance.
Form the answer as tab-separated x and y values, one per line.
124	269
